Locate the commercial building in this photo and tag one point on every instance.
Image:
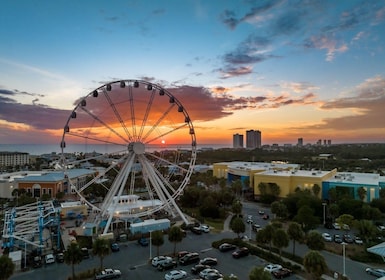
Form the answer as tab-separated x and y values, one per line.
289	178
253	139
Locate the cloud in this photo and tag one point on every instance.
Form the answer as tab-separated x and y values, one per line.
325	42
366	106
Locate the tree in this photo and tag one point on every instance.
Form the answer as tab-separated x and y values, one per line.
265	235
238	226
334	210
157	240
257	273
332	194
73	255
315	241
306	218
237	186
236	207
279	209
295	233
382	193
367	230
175	236
7	267
280	240
315	264
101	248
316	189
345	219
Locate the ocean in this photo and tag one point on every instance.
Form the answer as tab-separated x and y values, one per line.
40	149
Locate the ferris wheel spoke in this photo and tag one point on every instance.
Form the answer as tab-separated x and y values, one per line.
158	122
166	133
172	164
133	119
105	124
118	116
94	139
146	114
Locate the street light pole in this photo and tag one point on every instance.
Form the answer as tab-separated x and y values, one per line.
150	244
324	206
343	256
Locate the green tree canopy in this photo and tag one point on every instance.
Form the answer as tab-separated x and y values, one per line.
257	273
101	248
72	256
315	241
295	233
280	240
175	236
315	264
7	267
157	240
238	226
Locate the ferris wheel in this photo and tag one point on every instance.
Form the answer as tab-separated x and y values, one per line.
143	137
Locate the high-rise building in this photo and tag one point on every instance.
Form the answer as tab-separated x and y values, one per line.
253	139
13	158
237	141
300	142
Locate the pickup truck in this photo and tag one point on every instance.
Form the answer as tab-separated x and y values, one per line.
108	273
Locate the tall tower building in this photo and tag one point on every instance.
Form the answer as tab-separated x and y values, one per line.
253	139
300	142
237	141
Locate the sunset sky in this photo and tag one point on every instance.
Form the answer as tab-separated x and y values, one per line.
313	69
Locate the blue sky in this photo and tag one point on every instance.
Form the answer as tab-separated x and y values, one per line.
310	69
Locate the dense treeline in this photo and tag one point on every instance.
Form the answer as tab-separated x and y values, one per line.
347	157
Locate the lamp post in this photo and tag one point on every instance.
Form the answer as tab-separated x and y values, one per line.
324	208
150	244
343	258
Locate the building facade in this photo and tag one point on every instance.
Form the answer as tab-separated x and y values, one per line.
14	159
253	139
237	141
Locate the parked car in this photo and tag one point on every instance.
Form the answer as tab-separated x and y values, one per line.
225	247
49	259
265	217
206	271
143	241
167	265
272	267
327	237
282	273
198	268
85	253
241	252
261	212
378	272
345	227
256	227
209	261
337	238
60	257
181	254
348	238
205	228
196	230
358	240
249	219
213	276
336	226
175	274
189	259
159	260
108	273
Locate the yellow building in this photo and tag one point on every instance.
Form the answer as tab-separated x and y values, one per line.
291	180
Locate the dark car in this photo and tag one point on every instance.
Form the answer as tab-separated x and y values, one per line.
143	241
241	252
170	264
59	257
180	254
282	273
225	247
115	247
209	261
348	238
265	217
198	268
189	259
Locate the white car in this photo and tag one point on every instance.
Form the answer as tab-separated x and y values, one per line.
336	226
205	228
159	260
327	237
175	274
207	271
49	259
272	267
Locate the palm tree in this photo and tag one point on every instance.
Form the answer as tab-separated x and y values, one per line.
280	240
315	264
7	267
257	273
366	229
157	240
101	248
175	235
73	255
295	233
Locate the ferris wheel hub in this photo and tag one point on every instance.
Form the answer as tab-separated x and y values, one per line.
136	147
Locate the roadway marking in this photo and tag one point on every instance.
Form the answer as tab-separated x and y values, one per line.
206	250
